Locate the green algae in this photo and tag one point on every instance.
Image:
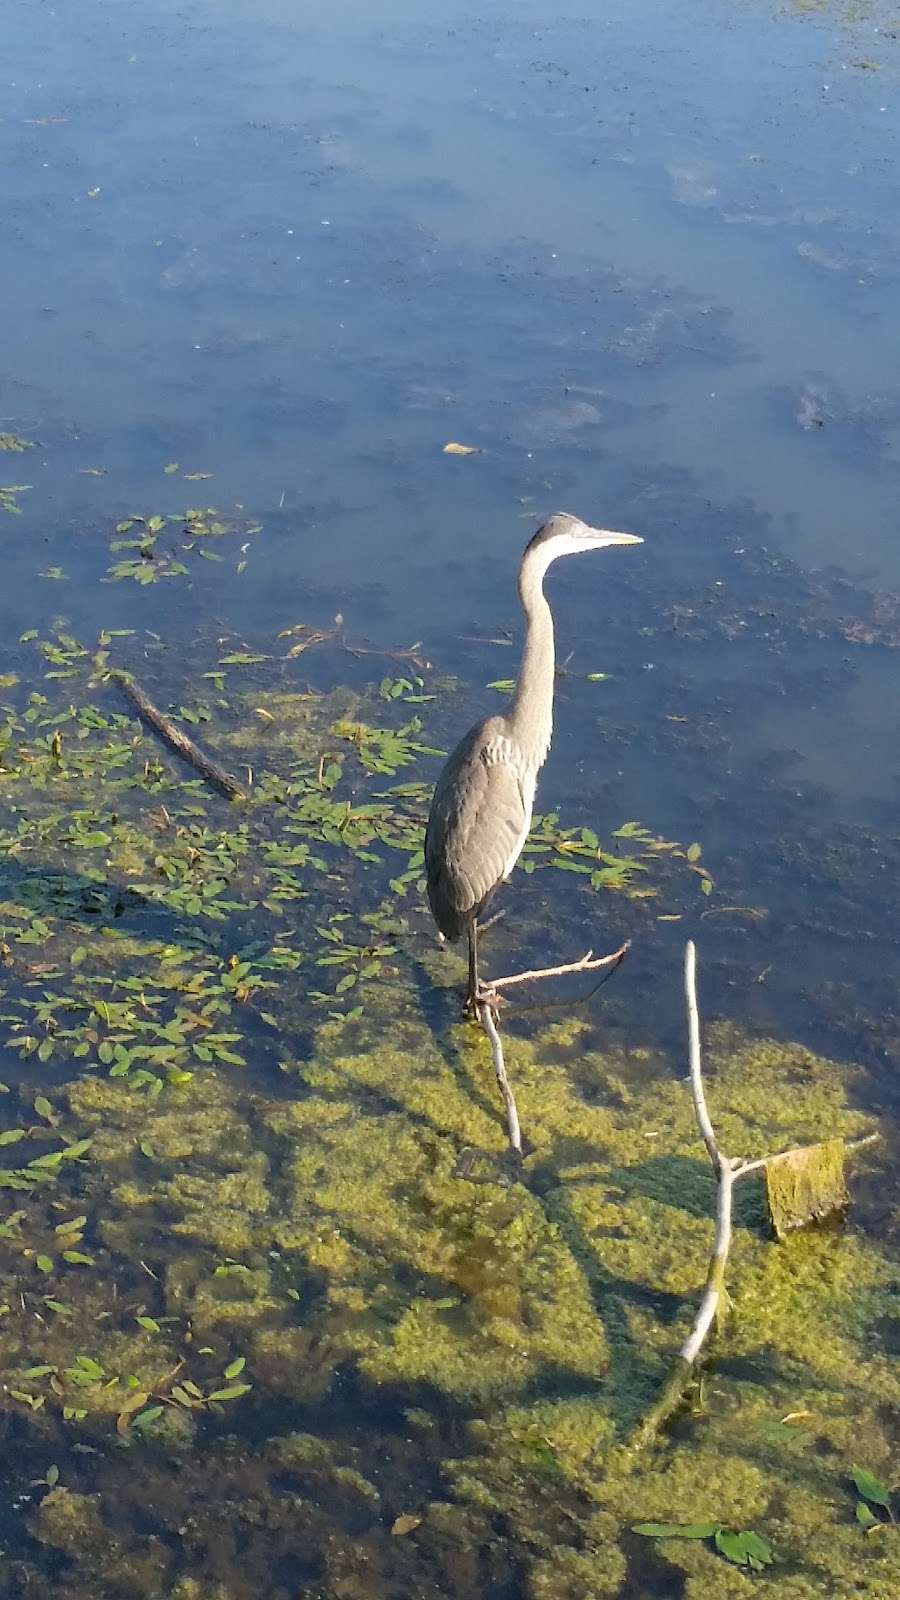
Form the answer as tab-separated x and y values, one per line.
806	1185
329	1232
271	1172
283	725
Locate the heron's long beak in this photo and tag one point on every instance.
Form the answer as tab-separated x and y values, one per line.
605	536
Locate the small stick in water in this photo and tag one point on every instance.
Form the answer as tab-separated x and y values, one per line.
486	1018
177	740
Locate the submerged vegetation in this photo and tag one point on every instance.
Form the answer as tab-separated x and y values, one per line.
9	497
163	546
259	1227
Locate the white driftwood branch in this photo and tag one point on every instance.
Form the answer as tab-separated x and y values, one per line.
714	1292
697	1091
486	1018
485	1007
728	1171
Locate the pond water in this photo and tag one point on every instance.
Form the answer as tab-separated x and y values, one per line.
276	1319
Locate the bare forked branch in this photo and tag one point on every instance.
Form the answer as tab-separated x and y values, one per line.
485	1008
588	963
728	1170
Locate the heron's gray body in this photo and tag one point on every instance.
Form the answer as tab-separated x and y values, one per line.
480	817
483	801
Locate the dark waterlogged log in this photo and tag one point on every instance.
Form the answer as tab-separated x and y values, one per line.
177	740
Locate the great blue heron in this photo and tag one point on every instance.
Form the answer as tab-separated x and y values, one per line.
481	809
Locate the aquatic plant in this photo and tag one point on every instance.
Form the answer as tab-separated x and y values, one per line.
249	1173
160	544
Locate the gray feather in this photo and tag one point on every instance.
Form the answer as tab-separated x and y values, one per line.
478	814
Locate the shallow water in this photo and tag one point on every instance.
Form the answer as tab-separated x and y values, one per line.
270	259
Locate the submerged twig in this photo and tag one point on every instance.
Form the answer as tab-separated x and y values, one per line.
491	922
486	1018
178	741
728	1170
412	652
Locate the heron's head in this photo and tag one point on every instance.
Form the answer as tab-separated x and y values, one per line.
564	535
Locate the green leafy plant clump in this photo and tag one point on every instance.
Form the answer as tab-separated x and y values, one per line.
157	546
9	497
872	1492
162	924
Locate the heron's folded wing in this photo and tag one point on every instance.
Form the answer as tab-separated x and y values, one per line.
477	828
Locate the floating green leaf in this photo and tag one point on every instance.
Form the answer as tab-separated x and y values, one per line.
745	1549
871	1488
232	1392
676	1530
145	1419
73	1152
75	1225
9	497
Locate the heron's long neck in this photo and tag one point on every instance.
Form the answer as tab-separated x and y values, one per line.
531	712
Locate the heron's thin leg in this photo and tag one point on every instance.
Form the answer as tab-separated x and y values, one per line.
473	963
